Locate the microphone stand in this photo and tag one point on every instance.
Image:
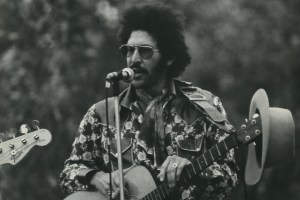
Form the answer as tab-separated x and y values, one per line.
108	138
115	85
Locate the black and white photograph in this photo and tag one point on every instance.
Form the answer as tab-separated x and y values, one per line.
149	100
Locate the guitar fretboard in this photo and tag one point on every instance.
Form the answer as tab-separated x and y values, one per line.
197	166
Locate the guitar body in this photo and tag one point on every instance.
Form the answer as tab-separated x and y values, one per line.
139	180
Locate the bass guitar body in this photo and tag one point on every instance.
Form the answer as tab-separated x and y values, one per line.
139	183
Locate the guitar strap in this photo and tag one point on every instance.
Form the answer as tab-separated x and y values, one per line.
209	104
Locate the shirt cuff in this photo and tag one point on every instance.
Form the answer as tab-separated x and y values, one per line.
84	176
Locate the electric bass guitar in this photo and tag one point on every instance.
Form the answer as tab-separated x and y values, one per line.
141	185
14	150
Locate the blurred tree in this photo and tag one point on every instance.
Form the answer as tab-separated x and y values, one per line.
54	56
52	66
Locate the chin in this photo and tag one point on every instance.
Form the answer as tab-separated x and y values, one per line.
138	84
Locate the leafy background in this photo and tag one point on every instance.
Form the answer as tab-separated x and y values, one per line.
54	56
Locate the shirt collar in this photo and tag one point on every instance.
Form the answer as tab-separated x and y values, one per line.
128	96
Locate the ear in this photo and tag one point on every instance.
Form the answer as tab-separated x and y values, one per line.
170	62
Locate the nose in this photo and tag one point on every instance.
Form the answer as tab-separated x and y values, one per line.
136	57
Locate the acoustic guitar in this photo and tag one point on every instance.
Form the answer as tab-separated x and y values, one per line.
141	185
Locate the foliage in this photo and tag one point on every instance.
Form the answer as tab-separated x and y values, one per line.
54	56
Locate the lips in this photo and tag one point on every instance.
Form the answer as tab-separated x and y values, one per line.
137	73
138	70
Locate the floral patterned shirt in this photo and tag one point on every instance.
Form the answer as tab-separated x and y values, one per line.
188	132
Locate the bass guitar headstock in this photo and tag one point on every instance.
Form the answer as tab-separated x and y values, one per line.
14	149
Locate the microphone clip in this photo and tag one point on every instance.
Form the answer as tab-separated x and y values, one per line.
125	74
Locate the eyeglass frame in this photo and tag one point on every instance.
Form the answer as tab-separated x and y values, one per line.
137	48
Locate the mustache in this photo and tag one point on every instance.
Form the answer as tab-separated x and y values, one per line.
139	68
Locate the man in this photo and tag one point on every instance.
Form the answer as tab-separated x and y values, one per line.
165	123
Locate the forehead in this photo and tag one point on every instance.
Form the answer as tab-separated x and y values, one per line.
141	38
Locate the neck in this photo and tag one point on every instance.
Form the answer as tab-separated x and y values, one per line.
145	96
157	89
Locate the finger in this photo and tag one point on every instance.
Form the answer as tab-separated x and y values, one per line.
111	192
105	184
187	161
116	179
176	170
171	176
163	169
116	182
104	189
179	169
116	193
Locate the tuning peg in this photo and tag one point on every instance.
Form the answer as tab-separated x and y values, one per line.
24	129
2	137
35	124
254	118
1	140
12	132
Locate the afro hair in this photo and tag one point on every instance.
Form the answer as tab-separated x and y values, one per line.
164	24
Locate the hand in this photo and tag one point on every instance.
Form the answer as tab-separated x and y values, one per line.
101	181
172	168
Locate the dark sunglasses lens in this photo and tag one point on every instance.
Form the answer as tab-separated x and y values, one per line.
127	50
124	50
130	51
146	52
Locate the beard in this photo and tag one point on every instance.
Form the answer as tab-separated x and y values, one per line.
147	78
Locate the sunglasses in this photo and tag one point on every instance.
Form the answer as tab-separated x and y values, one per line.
146	52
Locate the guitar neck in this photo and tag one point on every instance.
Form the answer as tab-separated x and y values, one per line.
206	159
197	166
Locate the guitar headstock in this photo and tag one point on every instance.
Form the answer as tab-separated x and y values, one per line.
14	150
250	130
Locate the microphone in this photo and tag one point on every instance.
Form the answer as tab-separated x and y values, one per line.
125	74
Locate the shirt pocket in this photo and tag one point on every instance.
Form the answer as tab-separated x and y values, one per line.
190	148
126	145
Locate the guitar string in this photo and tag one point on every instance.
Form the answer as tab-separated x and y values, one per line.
7	154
